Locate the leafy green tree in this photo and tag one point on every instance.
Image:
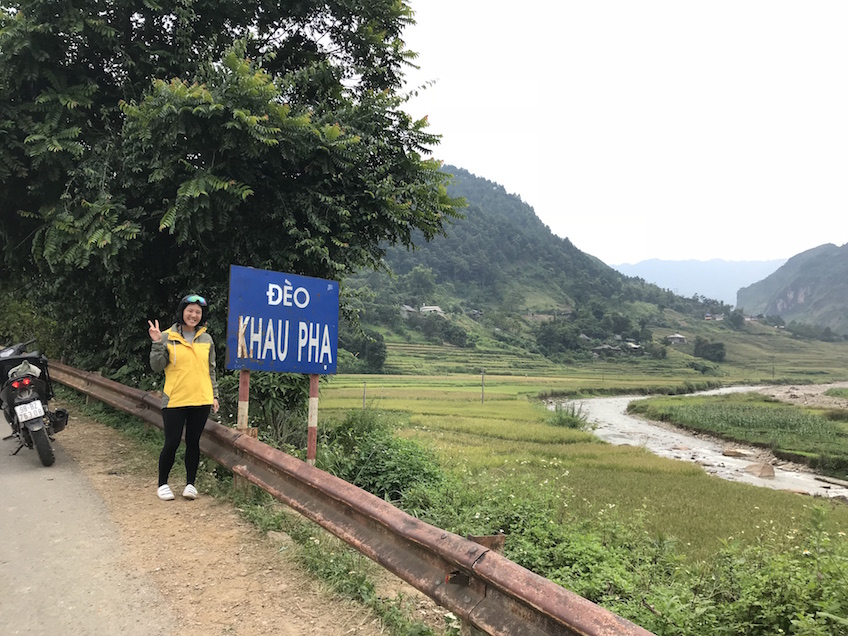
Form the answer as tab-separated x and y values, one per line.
438	329
420	284
773	320
736	318
557	336
713	351
656	350
367	347
144	147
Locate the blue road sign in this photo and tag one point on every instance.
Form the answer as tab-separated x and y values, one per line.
282	322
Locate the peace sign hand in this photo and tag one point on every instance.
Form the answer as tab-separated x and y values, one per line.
155	334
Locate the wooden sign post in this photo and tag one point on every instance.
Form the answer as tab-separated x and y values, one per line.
242	422
312	420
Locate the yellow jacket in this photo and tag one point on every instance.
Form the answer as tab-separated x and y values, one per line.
189	367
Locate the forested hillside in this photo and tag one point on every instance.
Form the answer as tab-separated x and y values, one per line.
501	246
500	274
811	288
501	252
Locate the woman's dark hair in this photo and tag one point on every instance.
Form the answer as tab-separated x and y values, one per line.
192	299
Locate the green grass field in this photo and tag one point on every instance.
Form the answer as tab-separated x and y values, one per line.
494	428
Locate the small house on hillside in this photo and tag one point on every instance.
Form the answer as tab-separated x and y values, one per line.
406	310
431	309
676	338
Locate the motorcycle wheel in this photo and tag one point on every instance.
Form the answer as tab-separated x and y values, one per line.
43	447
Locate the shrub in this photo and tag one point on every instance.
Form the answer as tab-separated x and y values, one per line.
569	415
712	351
366	351
364	451
21	319
277	405
702	367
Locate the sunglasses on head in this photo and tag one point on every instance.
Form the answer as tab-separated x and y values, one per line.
194	298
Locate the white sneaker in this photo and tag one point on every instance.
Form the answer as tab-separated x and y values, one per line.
164	493
190	492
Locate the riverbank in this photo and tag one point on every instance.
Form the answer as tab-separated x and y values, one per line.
730	461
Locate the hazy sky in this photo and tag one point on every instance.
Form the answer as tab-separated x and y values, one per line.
673	129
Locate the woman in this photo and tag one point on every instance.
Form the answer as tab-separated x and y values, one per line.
187	355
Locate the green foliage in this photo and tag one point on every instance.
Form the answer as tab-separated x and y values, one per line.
569	415
577	507
277	407
557	336
419	284
365	349
791	584
713	351
22	319
703	367
438	329
363	450
656	350
145	149
735	319
785	584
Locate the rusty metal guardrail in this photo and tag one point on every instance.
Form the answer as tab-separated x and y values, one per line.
483	588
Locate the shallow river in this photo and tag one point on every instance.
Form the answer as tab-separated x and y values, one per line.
614	425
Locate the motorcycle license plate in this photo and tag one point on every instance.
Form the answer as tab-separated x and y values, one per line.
29	411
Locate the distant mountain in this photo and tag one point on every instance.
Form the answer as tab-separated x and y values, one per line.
717	279
811	288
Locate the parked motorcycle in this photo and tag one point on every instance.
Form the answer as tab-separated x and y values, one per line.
25	393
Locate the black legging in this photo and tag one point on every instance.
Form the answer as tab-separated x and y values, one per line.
193	418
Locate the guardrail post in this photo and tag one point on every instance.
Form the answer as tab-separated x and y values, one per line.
495	543
86	395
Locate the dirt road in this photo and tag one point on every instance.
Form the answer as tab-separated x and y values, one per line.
729	461
62	567
88	549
